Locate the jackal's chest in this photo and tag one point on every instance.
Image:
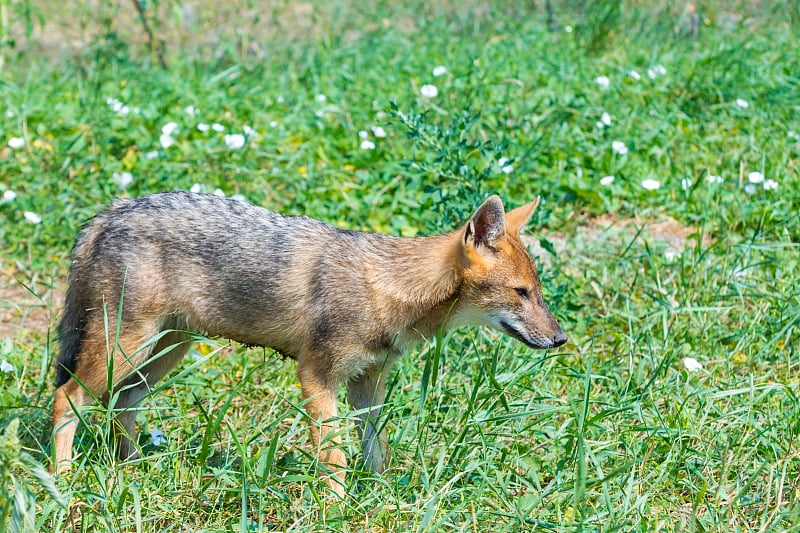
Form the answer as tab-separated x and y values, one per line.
355	364
379	352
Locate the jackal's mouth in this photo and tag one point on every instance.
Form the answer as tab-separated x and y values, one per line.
517	334
520	336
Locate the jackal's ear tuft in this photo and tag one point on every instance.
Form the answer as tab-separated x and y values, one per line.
518	218
487	224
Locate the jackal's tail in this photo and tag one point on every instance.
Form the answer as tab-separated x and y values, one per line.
70	331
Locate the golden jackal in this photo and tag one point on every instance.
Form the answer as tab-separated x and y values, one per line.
344	304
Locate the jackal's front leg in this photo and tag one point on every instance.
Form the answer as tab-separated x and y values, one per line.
366	394
320	396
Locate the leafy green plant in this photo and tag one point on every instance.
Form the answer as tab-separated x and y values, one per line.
20	503
457	168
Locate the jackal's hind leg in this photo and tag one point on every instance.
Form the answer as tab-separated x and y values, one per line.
91	380
167	352
65	422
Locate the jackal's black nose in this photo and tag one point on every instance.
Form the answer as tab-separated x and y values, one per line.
559	339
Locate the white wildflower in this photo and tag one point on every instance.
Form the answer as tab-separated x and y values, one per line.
671	255
606	180
770	185
714	179
755	177
6	367
166	141
117	106
377	131
741	102
441	70
151	155
503	161
686	184
218	127
218	192
568	29
8	196
122	179
203	127
656	71
170	128
191	110
750	189
508	169
619	147
635	75
196	188
793	135
429	91
363	134
32	217
273	124
605	120
651	184
321	98
603	81
692	364
167	131
16	142
157	438
366	144
250	132
235	141
10	114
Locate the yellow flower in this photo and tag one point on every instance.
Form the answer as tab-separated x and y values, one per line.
38	143
204	348
739	358
129	159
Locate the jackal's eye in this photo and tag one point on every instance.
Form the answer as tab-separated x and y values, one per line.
523	293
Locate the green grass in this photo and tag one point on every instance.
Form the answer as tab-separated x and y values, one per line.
610	432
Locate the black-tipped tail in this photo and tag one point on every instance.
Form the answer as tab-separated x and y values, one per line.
70	331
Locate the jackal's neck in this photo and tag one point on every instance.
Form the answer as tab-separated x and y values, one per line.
421	277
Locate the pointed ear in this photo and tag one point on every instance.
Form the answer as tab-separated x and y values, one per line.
518	218
487	224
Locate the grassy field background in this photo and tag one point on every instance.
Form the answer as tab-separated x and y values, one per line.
664	139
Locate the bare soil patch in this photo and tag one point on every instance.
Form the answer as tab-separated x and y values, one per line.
611	231
27	307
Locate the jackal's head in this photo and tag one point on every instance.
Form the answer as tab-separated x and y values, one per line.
500	283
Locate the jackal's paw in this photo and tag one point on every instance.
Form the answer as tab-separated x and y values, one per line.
335	485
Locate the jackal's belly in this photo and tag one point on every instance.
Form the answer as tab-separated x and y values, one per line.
287	337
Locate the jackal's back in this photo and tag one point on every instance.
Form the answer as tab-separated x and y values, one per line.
225	267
